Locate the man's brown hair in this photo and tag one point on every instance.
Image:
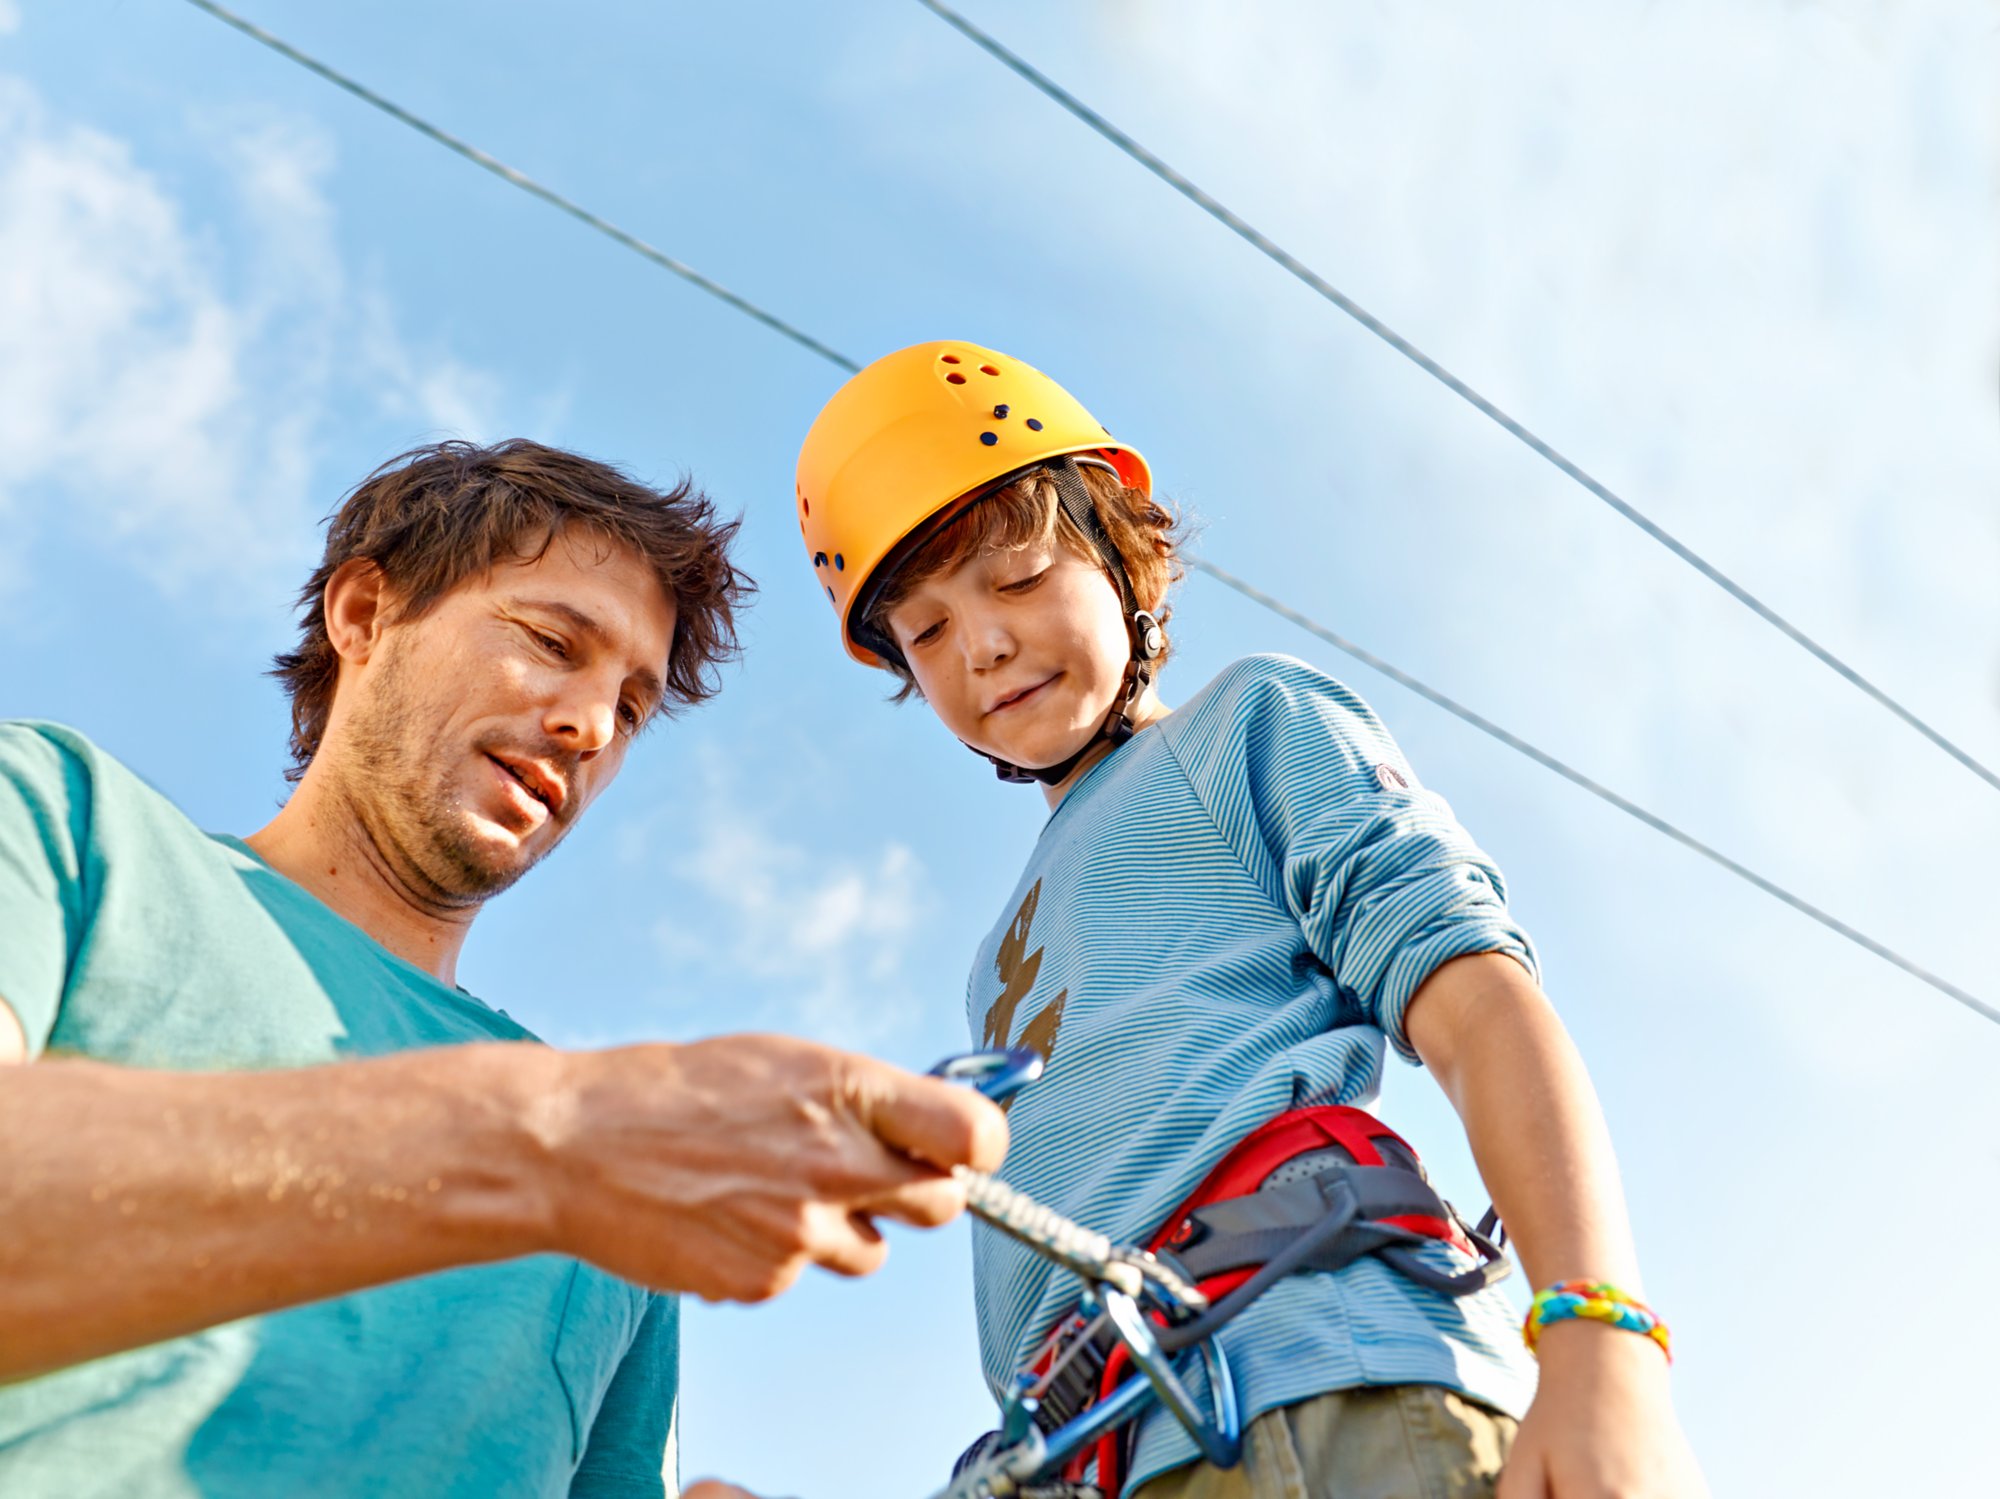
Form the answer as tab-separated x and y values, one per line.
1028	512
438	515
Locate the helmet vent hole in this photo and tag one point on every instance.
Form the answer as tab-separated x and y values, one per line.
949	358
955	378
839	563
989	438
987	369
805	506
1034	424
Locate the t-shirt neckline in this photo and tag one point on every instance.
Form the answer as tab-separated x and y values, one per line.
397	959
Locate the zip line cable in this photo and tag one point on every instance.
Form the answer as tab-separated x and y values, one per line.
1230	580
527	184
1578	778
1305	273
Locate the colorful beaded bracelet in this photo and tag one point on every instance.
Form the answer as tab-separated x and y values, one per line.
1599	1302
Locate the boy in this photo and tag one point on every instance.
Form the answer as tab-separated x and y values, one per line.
1232	908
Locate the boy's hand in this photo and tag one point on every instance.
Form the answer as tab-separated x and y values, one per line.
710	1488
726	1167
1602	1425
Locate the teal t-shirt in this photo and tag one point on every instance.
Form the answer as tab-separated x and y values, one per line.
129	936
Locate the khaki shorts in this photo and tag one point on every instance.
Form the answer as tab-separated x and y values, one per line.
1408	1441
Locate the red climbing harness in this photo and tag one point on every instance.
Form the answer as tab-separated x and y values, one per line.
1288	1179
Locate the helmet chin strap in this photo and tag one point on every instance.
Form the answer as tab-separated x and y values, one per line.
1143	630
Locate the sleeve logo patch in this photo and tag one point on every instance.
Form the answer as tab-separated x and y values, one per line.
1389	778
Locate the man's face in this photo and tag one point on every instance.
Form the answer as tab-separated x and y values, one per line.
1019	653
472	738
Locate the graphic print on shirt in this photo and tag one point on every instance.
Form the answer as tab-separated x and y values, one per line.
1017	968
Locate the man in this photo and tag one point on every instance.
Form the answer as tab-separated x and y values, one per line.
256	1113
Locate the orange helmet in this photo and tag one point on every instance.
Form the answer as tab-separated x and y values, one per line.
909	439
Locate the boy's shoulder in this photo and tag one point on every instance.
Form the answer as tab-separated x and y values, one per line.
1266	693
1273	728
1272	677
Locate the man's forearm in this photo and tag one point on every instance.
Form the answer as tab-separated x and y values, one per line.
139	1205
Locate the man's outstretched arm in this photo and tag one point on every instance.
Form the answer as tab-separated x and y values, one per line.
138	1205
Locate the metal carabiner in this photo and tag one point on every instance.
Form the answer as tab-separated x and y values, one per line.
1219	1431
997	1074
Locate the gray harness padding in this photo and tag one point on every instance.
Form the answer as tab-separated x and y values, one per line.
1250	1230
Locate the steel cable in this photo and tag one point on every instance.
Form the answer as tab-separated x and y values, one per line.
526	184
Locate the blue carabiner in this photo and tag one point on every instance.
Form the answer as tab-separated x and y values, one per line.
997	1074
1158	1382
1219	1432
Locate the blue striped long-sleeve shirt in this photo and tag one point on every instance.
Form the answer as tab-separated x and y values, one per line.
1224	920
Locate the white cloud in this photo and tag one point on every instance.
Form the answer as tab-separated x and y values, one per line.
10	18
164	379
812	944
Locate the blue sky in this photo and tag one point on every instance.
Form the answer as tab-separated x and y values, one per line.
1738	261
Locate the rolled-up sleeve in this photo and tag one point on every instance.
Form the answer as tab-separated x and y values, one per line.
1383	881
1395	891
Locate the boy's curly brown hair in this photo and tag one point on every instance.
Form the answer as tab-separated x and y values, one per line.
1027	512
440	514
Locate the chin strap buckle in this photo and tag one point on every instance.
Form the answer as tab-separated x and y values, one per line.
1149	638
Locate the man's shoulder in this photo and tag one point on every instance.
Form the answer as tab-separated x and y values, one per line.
37	749
33	746
49	769
61	772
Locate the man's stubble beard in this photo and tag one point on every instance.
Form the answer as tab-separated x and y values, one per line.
417	830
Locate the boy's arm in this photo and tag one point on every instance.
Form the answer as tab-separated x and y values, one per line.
1602	1423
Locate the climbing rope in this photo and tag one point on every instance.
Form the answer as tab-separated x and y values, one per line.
1081	1251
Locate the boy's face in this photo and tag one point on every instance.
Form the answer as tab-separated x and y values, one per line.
1019	653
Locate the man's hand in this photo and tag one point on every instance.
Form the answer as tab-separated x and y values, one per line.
725	1167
